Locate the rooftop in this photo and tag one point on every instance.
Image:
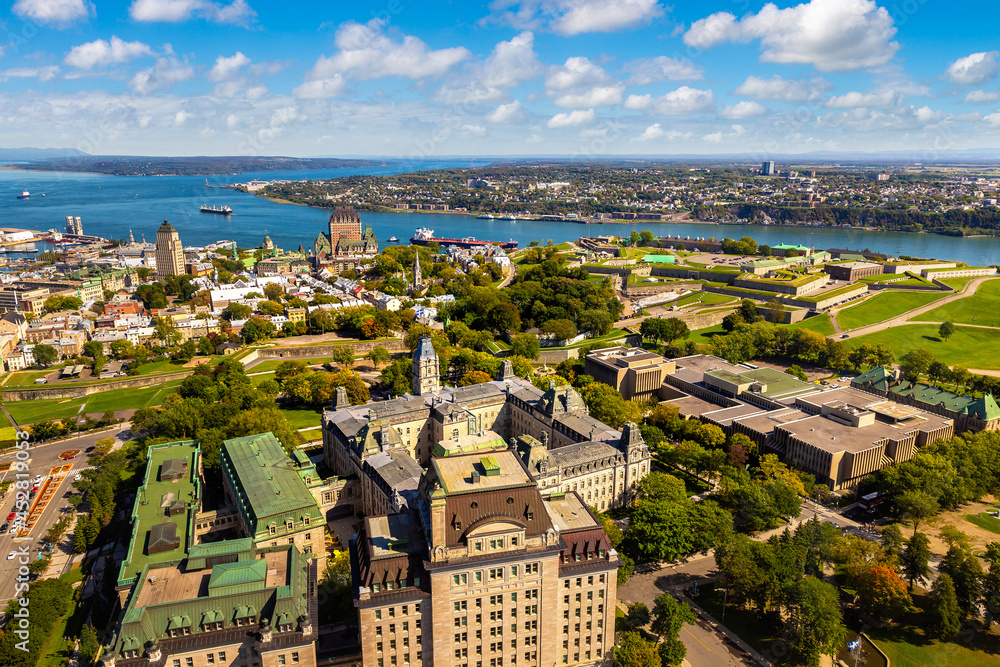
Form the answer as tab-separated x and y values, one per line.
149	513
394	534
456	473
567	512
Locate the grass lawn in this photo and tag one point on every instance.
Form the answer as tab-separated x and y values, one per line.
257	379
821	324
984	521
707	334
884	306
984	306
164	366
29	412
302	417
970	347
130	399
704	299
907	645
957	283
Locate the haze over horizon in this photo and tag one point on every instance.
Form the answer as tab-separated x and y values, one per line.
504	78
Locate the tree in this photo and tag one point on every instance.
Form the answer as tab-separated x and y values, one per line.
165	330
379	355
946	330
796	371
608	406
84	533
669	616
815	609
256	330
273	292
503	317
89	644
882	594
473	377
236	311
343	355
916	505
916	559
893	543
122	348
45	355
634	651
525	345
916	362
560	329
638	616
946	619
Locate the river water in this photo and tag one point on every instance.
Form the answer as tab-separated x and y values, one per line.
110	206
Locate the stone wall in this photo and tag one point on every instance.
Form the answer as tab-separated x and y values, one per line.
317	351
70	391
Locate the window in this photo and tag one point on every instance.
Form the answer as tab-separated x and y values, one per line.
305	519
477	576
177	663
513	570
496	573
211	658
189	662
281	659
378	614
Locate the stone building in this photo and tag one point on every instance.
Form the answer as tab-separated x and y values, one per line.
346	238
169	252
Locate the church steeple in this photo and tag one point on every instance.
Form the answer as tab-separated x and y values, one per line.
426	371
418	279
131	239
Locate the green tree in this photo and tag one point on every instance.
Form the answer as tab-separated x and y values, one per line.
122	348
45	355
946	330
503	317
608	406
560	329
89	644
638	616
236	311
916	559
893	543
669	616
915	363
165	330
525	345
945	616
634	651
84	533
379	355
916	505
343	355
815	610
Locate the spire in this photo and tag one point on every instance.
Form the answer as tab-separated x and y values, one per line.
131	239
418	280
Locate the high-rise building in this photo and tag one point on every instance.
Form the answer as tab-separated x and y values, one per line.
347	237
500	575
767	168
73	225
169	252
426	371
345	223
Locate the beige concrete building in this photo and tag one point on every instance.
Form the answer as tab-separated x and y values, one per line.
500	576
633	372
169	252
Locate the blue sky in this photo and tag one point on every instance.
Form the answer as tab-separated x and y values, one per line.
508	77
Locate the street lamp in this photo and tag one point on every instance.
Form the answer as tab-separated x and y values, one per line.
725	596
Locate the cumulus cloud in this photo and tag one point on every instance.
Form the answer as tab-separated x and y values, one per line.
226	68
331	86
572	118
662	68
654	131
832	35
713	138
366	51
165	73
778	88
175	11
975	69
100	53
880	99
993	118
744	109
510	64
680	102
54	12
580	83
46	73
506	113
981	96
573	17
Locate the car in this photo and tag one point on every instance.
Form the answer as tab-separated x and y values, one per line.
3	529
77	477
38	478
90	449
833	523
11	555
10	517
34	489
846	336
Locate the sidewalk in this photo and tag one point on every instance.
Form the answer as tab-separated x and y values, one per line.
718	627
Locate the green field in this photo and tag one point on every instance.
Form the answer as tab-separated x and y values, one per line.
970	347
28	412
984	521
884	306
707	334
957	283
984	306
703	299
821	324
302	418
907	645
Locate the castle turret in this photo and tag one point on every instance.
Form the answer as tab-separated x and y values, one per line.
426	372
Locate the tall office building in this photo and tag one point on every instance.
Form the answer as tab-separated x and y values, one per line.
767	168
169	252
74	225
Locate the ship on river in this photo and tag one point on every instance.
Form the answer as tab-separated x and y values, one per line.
424	236
221	210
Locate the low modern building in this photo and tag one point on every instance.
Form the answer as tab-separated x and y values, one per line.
633	372
851	271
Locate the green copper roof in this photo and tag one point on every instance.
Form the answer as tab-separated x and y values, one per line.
985	408
225	576
879	377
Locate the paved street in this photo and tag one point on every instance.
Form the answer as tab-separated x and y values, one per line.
44	458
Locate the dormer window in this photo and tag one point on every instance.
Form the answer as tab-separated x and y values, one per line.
272	529
289	524
305	520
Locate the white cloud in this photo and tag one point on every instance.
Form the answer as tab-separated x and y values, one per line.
181	117
832	35
472	131
46	73
744	109
569	119
654	131
993	118
165	73
57	12
927	115
506	113
713	138
365	51
981	96
662	68
777	88
321	88
510	64
880	99
100	53
573	17
737	129
226	68
975	69
580	83
174	11
680	102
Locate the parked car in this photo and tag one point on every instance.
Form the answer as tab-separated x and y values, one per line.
3	529
10	517
11	555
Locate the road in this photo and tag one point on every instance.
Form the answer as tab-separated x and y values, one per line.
44	457
707	646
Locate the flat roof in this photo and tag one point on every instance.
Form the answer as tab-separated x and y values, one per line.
148	512
832	436
778	383
394	534
568	512
455	472
693	405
